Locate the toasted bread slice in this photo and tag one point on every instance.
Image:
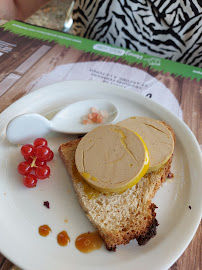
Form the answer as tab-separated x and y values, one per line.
118	217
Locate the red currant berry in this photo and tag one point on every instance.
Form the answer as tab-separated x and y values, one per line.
40	142
28	159
51	156
40	162
30	180
27	150
42	172
24	168
43	152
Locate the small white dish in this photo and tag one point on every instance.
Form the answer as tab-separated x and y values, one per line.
26	127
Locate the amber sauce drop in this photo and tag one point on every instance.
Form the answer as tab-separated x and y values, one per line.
88	242
63	238
44	230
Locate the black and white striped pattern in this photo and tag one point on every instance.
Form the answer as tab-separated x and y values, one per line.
170	29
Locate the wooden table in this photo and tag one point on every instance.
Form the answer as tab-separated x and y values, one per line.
38	57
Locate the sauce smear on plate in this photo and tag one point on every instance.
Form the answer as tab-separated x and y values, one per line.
44	230
63	238
88	242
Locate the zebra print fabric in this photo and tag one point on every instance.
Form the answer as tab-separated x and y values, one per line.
170	29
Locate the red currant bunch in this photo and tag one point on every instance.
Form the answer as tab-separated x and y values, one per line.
34	167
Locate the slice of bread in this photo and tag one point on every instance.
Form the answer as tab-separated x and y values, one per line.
118	217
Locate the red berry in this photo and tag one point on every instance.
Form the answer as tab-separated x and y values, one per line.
24	168
27	150
30	180
42	172
28	159
40	162
51	156
43	152
40	142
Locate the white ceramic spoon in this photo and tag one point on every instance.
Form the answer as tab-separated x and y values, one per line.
27	127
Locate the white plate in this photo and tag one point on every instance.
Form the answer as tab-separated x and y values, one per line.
22	210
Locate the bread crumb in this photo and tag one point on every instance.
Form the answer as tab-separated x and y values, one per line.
170	175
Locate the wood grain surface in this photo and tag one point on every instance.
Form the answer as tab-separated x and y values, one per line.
32	58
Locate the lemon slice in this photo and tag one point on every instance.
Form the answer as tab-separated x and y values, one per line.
157	137
112	158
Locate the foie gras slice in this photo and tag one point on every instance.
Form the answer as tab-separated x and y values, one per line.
157	137
112	158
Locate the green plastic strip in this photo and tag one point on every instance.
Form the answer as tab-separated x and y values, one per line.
90	46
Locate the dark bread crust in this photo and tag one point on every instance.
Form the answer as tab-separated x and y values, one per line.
143	238
151	231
